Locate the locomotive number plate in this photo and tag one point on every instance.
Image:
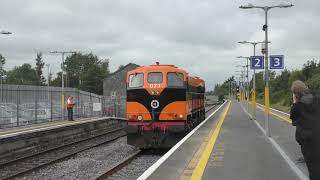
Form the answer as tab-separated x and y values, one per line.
154	85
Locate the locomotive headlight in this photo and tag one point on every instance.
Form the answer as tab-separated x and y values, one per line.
139	117
181	116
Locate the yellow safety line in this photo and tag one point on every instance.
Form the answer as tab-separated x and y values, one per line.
202	163
281	117
187	173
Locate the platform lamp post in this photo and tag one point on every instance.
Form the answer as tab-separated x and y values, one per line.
242	77
48	77
237	77
62	77
242	80
253	76
247	76
265	29
1	66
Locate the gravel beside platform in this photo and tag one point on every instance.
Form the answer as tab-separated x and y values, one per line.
86	164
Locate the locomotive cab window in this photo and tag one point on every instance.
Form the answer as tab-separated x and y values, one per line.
136	80
155	77
175	79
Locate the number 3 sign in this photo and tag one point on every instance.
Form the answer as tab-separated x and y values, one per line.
256	62
276	62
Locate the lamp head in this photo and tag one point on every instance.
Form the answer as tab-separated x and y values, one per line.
243	42
5	32
248	6
285	5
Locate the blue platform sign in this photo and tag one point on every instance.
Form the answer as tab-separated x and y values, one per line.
256	62
276	62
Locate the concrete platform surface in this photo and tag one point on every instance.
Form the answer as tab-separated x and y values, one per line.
175	165
282	131
240	150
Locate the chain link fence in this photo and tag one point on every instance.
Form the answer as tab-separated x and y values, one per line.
25	105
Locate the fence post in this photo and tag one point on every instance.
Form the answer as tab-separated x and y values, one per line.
18	102
81	105
78	103
36	107
91	103
119	106
114	108
100	100
51	104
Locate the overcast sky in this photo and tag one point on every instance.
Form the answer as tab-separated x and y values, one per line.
199	36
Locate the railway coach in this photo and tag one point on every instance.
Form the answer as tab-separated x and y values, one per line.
163	104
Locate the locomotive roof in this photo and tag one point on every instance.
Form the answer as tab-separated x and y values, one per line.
168	68
160	67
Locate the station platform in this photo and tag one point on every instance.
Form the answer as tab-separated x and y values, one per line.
26	141
229	145
15	131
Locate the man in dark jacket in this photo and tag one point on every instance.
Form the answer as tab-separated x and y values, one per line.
305	116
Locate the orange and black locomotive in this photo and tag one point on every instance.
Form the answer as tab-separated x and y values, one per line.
163	104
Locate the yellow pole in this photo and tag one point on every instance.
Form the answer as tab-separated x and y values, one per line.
248	98
62	101
253	101
241	95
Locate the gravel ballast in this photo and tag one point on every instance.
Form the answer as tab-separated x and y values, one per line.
87	164
135	168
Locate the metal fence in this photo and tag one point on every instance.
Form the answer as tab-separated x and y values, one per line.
25	105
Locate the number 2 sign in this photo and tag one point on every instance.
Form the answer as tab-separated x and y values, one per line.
276	62
257	62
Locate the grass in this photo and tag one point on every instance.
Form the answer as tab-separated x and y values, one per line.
279	106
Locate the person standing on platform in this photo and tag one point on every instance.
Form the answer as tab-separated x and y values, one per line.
305	116
70	105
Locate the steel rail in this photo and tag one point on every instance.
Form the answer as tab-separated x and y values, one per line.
27	164
123	163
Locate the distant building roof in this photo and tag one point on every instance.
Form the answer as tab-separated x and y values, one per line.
116	81
123	67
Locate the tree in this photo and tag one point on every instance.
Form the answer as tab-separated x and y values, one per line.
121	66
280	88
39	67
2	62
309	69
56	81
314	83
260	83
22	75
223	89
85	71
296	75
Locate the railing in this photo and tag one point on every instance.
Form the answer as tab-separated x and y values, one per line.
25	105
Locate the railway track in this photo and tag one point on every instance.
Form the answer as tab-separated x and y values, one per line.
117	167
24	165
125	162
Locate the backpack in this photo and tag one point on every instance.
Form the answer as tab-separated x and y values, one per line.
309	127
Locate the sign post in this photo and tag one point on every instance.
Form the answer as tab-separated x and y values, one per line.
256	62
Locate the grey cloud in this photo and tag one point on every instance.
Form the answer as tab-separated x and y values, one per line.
199	36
